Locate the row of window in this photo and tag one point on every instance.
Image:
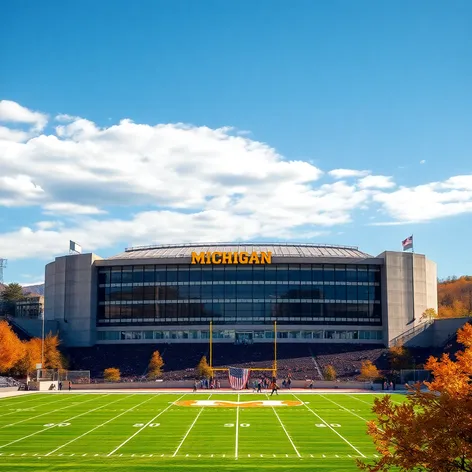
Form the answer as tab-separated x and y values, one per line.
231	334
235	312
246	291
279	272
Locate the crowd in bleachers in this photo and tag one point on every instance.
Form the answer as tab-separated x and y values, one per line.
300	361
9	382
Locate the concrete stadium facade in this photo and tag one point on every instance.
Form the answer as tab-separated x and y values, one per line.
316	293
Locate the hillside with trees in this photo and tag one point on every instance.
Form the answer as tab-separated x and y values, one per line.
455	297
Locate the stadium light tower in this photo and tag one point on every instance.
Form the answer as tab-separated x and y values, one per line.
3	265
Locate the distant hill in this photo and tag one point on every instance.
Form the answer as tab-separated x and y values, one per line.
455	297
38	289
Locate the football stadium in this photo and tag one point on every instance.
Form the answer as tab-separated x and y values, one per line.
316	294
270	319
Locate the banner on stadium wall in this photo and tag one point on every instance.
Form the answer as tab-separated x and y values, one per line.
231	258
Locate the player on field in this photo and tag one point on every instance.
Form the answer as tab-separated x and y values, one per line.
274	387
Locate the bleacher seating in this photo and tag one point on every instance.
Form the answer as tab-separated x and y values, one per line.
181	359
8	382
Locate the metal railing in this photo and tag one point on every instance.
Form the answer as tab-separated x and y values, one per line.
411	333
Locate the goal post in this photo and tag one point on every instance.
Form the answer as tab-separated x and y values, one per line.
272	369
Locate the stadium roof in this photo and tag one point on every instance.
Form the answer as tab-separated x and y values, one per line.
170	251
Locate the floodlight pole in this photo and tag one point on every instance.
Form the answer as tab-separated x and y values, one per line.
42	342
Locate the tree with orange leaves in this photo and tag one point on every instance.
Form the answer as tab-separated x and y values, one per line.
431	430
31	357
369	371
52	355
11	348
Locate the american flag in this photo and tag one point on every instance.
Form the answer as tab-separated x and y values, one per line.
238	377
407	243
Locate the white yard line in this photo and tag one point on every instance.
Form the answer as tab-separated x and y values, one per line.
37	406
349	411
330	427
62	421
371	404
236	447
29	398
103	424
190	429
49	412
286	432
145	426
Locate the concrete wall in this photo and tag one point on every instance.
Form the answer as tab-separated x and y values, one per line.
409	287
70	298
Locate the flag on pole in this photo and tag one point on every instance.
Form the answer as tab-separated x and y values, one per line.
407	243
238	377
74	247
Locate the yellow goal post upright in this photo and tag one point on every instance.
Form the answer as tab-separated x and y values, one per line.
272	369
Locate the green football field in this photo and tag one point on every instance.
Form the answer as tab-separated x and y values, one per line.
193	431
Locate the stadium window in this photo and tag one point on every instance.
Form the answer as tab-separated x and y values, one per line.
204	334
206	292
158	335
137	312
340	273
244	291
104	276
230	273
329	292
147	334
363	292
363	311
160	274
195	275
149	274
116	275
294	272
149	292
317	273
218	310
270	274
270	291
282	291
377	292
269	334
351	273
282	273
138	274
218	274
362	274
207	274
258	292
148	311
194	292
307	335
183	274
328	272
282	334
305	273
127	275
294	334
258	274
229	291
171	274
138	292
340	292
184	291
319	334
171	292
244	273
351	292
377	310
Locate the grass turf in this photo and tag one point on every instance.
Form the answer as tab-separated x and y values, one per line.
143	432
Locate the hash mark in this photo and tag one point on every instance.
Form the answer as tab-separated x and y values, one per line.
337	456
324	455
286	455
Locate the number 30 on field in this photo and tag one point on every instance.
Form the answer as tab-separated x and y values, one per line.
152	425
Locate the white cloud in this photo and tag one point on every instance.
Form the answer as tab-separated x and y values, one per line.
12	112
423	161
195	183
346	173
376	181
71	209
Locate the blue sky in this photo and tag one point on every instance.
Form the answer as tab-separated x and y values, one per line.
126	123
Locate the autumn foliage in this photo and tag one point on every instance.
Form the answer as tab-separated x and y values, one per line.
203	369
455	297
329	373
11	348
431	430
19	357
369	371
155	366
112	374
